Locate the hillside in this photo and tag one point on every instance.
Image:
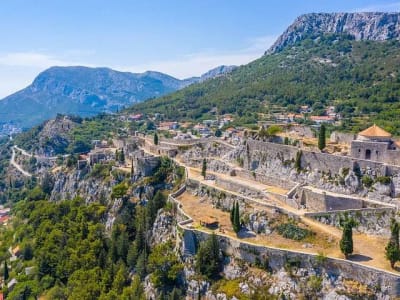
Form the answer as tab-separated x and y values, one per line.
359	77
85	92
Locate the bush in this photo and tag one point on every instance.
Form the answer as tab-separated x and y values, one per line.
293	231
367	181
386	180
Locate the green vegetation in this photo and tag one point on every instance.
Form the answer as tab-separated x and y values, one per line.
235	217
297	162
346	243
209	259
322	138
392	248
155	138
359	77
292	231
204	168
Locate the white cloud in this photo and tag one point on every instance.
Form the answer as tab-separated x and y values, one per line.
385	7
17	70
30	59
198	63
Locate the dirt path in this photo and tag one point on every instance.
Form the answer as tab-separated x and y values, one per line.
17	166
368	250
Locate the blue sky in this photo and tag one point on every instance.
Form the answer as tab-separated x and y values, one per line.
180	37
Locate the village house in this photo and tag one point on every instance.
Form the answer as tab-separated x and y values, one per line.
135	117
168	126
322	119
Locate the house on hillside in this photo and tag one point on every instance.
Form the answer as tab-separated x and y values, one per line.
322	119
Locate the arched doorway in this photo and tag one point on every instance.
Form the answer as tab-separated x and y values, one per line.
367	154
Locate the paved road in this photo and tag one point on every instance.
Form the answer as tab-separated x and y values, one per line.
17	166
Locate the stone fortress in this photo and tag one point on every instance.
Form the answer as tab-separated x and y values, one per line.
376	144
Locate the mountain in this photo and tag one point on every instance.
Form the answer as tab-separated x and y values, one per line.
363	26
86	91
359	77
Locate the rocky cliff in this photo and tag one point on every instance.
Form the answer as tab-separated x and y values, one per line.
362	26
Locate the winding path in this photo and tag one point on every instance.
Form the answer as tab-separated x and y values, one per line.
16	165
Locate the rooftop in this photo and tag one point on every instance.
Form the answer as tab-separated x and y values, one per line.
375	131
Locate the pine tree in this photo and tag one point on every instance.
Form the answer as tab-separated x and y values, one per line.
204	168
155	138
5	274
209	260
322	138
346	243
392	248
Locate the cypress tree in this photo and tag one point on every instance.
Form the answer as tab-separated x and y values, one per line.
122	156
5	274
346	243
233	212
236	218
132	169
204	168
322	138
155	138
392	248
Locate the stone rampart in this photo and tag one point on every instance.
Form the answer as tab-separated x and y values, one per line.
375	221
277	258
321	161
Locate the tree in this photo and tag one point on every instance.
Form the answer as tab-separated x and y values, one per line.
209	260
6	275
121	156
236	218
392	248
218	133
232	216
297	162
204	168
155	138
322	138
346	243
132	168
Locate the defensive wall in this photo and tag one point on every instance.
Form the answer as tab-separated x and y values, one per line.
388	283
320	161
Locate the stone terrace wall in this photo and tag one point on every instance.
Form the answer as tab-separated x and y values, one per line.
279	258
374	221
342	138
322	161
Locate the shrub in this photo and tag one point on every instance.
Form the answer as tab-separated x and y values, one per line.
293	231
386	180
367	181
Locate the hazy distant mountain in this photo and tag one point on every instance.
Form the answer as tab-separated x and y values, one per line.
86	91
375	26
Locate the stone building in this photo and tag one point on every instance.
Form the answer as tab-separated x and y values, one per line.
376	144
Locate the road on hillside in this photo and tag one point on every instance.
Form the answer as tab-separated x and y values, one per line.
16	165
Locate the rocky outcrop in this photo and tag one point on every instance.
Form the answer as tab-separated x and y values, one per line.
68	185
362	26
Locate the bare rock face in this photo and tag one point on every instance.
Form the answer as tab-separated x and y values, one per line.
374	26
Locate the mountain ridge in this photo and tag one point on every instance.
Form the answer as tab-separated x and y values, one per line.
376	26
86	91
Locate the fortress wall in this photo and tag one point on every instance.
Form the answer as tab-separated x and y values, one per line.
324	161
265	179
279	258
342	138
374	221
